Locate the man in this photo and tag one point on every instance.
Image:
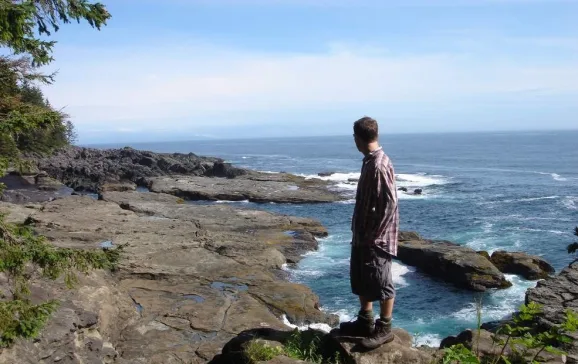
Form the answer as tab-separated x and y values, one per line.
375	230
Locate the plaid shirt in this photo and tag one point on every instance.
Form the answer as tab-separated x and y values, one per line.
376	215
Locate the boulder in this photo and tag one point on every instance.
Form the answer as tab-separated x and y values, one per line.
226	170
325	174
454	263
408	235
261	189
528	266
399	351
120	186
404	189
417	191
556	295
486	255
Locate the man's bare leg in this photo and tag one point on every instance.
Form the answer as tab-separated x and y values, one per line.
366	305
386	307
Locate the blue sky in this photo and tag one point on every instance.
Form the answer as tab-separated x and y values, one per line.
180	69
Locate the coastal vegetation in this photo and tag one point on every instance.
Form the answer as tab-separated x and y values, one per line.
523	340
30	125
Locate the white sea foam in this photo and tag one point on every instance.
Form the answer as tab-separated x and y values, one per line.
555	176
398	271
518	228
321	327
570	202
501	304
223	201
529	199
419	180
348	202
432	340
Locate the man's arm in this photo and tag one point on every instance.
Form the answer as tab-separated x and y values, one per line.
384	204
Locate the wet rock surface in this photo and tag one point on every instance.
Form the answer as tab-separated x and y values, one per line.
454	263
528	266
191	279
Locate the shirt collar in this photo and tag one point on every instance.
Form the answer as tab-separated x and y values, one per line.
372	154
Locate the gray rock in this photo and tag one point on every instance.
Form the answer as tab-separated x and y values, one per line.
88	169
418	191
528	266
454	263
556	295
399	351
192	278
32	188
256	188
325	174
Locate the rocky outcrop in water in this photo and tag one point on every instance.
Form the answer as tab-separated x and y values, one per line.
453	263
88	169
528	266
184	175
254	188
191	279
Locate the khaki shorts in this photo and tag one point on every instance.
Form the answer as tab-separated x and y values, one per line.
370	273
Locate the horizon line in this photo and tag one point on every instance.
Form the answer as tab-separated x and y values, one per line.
206	139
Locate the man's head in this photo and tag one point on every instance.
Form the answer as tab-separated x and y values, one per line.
366	133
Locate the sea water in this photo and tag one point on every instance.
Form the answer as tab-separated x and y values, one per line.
488	191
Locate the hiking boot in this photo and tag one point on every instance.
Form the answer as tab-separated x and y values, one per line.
382	334
361	327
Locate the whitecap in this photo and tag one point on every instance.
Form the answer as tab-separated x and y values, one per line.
570	202
555	176
517	228
419	180
335	177
226	201
528	199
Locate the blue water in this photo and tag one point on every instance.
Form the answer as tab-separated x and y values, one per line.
489	191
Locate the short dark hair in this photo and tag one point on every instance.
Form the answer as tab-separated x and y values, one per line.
366	129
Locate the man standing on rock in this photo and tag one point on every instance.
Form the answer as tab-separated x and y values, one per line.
375	231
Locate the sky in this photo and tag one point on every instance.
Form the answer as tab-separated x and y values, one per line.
187	69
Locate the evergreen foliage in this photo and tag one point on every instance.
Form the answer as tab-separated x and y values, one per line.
29	124
24	253
26	24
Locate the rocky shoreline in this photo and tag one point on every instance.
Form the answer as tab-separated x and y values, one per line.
195	277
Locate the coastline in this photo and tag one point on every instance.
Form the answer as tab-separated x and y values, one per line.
277	236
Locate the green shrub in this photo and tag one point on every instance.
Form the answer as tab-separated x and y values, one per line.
257	351
520	338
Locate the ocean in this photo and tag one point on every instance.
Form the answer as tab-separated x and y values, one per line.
488	191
